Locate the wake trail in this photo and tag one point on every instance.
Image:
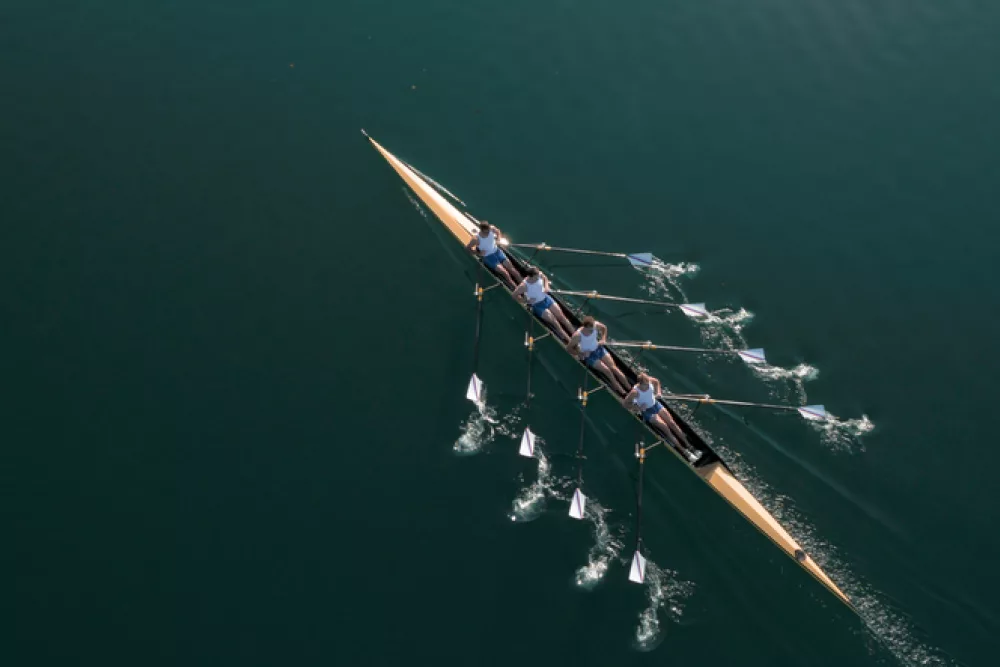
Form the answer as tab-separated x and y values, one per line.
886	623
478	430
531	500
482	426
666	595
608	544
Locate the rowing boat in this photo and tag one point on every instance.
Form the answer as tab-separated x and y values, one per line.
709	466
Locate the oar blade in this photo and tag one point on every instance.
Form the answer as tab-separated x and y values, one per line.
475	391
527	444
640	260
814	412
694	310
637	573
754	356
577	504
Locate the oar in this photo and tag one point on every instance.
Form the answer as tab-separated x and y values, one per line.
754	356
437	186
579	500
637	573
475	390
528	438
640	260
689	309
812	412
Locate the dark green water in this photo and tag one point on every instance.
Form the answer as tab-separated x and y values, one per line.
235	353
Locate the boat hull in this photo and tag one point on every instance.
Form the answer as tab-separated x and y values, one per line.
710	467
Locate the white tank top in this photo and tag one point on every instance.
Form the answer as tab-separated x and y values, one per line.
588	343
535	291
645	399
487	244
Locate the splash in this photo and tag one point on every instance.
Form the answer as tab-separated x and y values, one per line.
726	326
793	378
529	504
666	595
479	429
663	279
607	545
801	373
843	434
721	326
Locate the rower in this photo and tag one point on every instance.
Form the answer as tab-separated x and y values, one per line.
587	344
534	290
644	399
485	244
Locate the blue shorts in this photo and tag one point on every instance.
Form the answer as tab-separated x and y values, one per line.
651	412
542	306
494	260
595	356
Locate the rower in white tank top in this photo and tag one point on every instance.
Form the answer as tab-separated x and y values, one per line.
534	290
644	399
588	342
587	345
485	244
488	243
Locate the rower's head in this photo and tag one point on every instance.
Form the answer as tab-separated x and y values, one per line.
644	380
588	322
533	272
484	227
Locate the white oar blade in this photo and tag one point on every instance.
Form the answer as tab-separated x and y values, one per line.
814	412
527	444
637	573
640	260
754	356
578	504
694	309
475	391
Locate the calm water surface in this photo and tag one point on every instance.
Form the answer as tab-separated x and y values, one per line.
235	351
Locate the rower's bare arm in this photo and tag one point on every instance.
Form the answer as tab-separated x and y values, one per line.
602	332
473	243
545	281
657	388
519	291
574	343
630	398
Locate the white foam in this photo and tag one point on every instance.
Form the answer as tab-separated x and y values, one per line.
529	503
607	546
667	595
478	430
843	434
662	278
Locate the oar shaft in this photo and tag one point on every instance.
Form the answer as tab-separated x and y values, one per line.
527	399
583	427
674	348
719	401
608	297
576	251
479	326
638	502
